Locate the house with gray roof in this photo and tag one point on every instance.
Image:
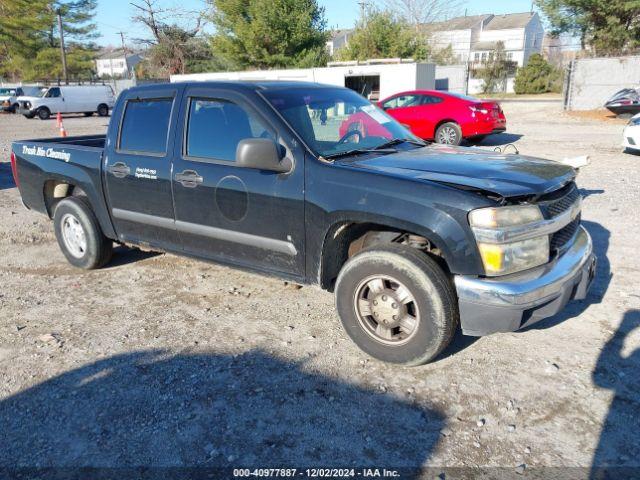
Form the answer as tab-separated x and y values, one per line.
116	63
474	38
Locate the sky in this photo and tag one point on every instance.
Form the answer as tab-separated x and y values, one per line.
114	16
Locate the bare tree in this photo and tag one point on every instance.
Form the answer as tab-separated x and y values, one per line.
172	42
425	11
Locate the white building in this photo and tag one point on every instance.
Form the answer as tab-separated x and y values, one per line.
116	63
474	38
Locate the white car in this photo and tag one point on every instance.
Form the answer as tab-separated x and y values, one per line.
631	135
86	99
9	97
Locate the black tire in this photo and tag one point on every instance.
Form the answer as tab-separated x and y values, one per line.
88	114
103	110
97	248
29	115
44	113
14	108
449	134
434	303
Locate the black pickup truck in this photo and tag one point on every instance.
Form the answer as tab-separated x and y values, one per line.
415	239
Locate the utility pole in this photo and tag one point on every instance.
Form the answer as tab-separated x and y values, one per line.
124	48
124	53
363	10
62	50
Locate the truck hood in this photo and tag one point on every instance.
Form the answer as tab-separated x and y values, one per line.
504	175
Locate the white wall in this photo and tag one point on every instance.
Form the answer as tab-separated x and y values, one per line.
460	41
111	66
476	84
594	80
513	39
452	78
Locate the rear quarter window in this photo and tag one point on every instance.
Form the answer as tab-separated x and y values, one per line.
145	126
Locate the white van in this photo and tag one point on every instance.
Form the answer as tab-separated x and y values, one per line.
85	99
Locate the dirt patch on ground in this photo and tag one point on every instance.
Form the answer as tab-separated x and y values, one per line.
601	115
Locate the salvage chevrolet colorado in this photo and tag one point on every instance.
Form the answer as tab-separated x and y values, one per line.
414	239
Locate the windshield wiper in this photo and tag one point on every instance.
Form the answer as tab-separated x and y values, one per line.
397	141
356	151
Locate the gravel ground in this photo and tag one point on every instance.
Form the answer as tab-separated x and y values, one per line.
165	361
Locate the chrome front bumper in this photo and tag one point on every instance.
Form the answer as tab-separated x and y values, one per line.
511	302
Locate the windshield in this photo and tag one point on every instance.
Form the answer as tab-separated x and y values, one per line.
42	92
336	120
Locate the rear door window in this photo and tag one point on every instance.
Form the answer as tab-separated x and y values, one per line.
145	126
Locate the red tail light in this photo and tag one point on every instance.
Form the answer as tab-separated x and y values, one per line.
14	169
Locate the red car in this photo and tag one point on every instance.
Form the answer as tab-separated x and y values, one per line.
446	118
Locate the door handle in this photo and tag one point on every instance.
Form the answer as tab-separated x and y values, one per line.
119	170
189	178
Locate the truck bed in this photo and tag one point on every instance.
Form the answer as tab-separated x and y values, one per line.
43	163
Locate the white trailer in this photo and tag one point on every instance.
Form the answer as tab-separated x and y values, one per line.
372	80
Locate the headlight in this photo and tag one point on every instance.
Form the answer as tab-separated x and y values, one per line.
504	216
634	121
515	256
493	228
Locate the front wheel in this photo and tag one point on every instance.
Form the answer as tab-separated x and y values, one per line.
397	304
449	134
79	234
44	113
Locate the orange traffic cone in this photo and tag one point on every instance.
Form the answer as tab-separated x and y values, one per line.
63	132
59	119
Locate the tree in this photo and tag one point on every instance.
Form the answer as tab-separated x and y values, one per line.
608	26
20	34
495	70
445	56
538	76
28	27
174	46
47	65
424	11
261	34
384	34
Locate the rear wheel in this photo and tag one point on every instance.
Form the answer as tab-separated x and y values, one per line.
449	134
103	110
397	304
79	235
44	113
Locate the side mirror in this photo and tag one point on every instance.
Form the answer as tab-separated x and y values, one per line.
261	154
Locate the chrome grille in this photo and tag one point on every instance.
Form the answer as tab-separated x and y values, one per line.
556	203
556	206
